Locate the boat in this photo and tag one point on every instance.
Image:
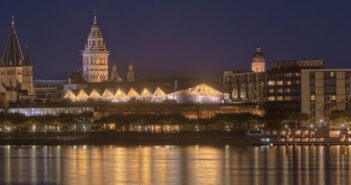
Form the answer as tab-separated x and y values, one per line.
323	135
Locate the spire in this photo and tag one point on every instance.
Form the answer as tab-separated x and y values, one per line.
95	39
27	61
12	55
95	21
114	74
131	73
258	49
130	67
13	22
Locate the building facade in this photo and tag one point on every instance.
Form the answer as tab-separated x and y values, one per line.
245	87
49	89
95	56
284	83
325	90
16	71
278	89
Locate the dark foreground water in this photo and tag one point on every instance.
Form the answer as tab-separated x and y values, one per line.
176	165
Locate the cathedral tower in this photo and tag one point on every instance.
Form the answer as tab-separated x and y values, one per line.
114	74
258	63
95	56
16	71
131	73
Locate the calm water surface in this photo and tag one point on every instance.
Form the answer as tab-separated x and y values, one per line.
176	165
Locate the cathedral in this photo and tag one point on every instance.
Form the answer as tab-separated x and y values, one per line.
96	59
16	71
98	83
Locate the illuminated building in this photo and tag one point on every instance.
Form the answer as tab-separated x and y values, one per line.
114	74
325	90
95	56
16	71
258	63
284	83
190	110
245	87
53	111
199	94
49	89
277	89
130	73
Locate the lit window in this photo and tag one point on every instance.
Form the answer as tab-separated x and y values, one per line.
287	98
332	74
279	90
279	98
271	90
287	75
332	98
313	98
279	82
271	98
271	83
242	94
235	93
288	82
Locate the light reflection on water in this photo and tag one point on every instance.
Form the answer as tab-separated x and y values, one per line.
121	165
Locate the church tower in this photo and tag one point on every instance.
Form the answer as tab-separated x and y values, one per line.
95	56
258	63
114	74
131	73
27	73
16	71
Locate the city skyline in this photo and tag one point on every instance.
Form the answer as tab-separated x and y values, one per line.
210	36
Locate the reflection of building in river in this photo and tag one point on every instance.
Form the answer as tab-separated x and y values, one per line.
197	164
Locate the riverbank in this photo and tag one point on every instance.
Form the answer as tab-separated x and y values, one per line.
125	138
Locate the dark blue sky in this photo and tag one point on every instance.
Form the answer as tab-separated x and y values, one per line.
179	37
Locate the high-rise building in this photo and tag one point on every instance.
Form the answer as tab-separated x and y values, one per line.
16	71
284	83
325	90
95	56
258	63
131	73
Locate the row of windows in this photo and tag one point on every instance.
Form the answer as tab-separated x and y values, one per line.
281	90
281	82
282	98
326	98
282	75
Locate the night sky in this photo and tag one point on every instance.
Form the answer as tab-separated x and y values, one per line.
179	37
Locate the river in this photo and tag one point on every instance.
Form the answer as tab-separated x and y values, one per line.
175	165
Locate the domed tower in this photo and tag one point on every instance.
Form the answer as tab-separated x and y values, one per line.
258	63
131	73
95	56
